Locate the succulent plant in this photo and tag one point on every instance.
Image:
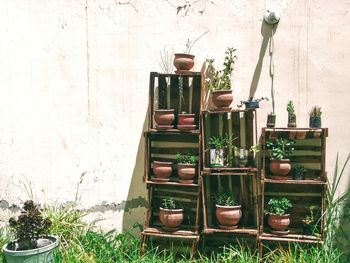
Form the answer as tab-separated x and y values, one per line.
315	111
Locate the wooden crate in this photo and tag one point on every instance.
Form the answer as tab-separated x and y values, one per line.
241	124
163	146
164	94
245	188
302	196
188	200
309	152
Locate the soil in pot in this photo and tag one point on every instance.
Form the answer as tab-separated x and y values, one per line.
228	216
186	173
278	222
162	171
164	118
171	219
222	99
280	168
183	62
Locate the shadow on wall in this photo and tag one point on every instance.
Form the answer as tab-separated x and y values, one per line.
267	31
136	204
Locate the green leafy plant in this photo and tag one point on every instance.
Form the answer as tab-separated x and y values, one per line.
220	79
277	206
280	148
311	218
225	198
186	158
299	171
255	148
29	226
169	203
290	108
221	142
315	111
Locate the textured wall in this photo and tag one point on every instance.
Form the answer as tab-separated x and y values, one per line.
74	85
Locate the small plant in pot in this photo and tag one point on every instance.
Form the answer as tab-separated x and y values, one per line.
186	167
219	82
228	211
292	118
184	62
252	103
299	172
315	120
218	146
278	219
33	244
170	215
279	149
311	221
162	171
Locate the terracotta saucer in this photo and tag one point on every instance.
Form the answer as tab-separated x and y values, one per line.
222	109
170	229
164	127
156	179
228	227
186	181
280	233
183	72
186	127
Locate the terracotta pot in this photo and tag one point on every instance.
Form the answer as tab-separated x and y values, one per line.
164	117
171	219
280	167
186	119
228	216
278	223
162	169
292	134
186	172
222	98
300	135
183	61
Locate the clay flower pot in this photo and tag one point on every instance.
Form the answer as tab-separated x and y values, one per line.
186	118
171	219
300	135
164	117
280	167
222	98
183	62
228	216
186	172
162	170
278	222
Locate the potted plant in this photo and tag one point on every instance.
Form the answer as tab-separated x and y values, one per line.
186	167
219	82
315	120
228	212
255	149
299	172
170	215
279	149
32	244
184	62
277	219
252	103
271	120
162	171
219	144
292	118
311	221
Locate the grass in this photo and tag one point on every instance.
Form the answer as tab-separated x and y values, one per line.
85	243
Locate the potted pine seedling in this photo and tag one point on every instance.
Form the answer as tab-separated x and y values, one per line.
299	172
292	118
170	215
315	120
32	244
311	221
186	167
219	82
228	211
252	103
279	149
278	219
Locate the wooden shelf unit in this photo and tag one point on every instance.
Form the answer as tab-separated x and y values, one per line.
311	153
163	145
164	93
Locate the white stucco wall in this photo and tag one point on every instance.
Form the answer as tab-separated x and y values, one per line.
74	87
